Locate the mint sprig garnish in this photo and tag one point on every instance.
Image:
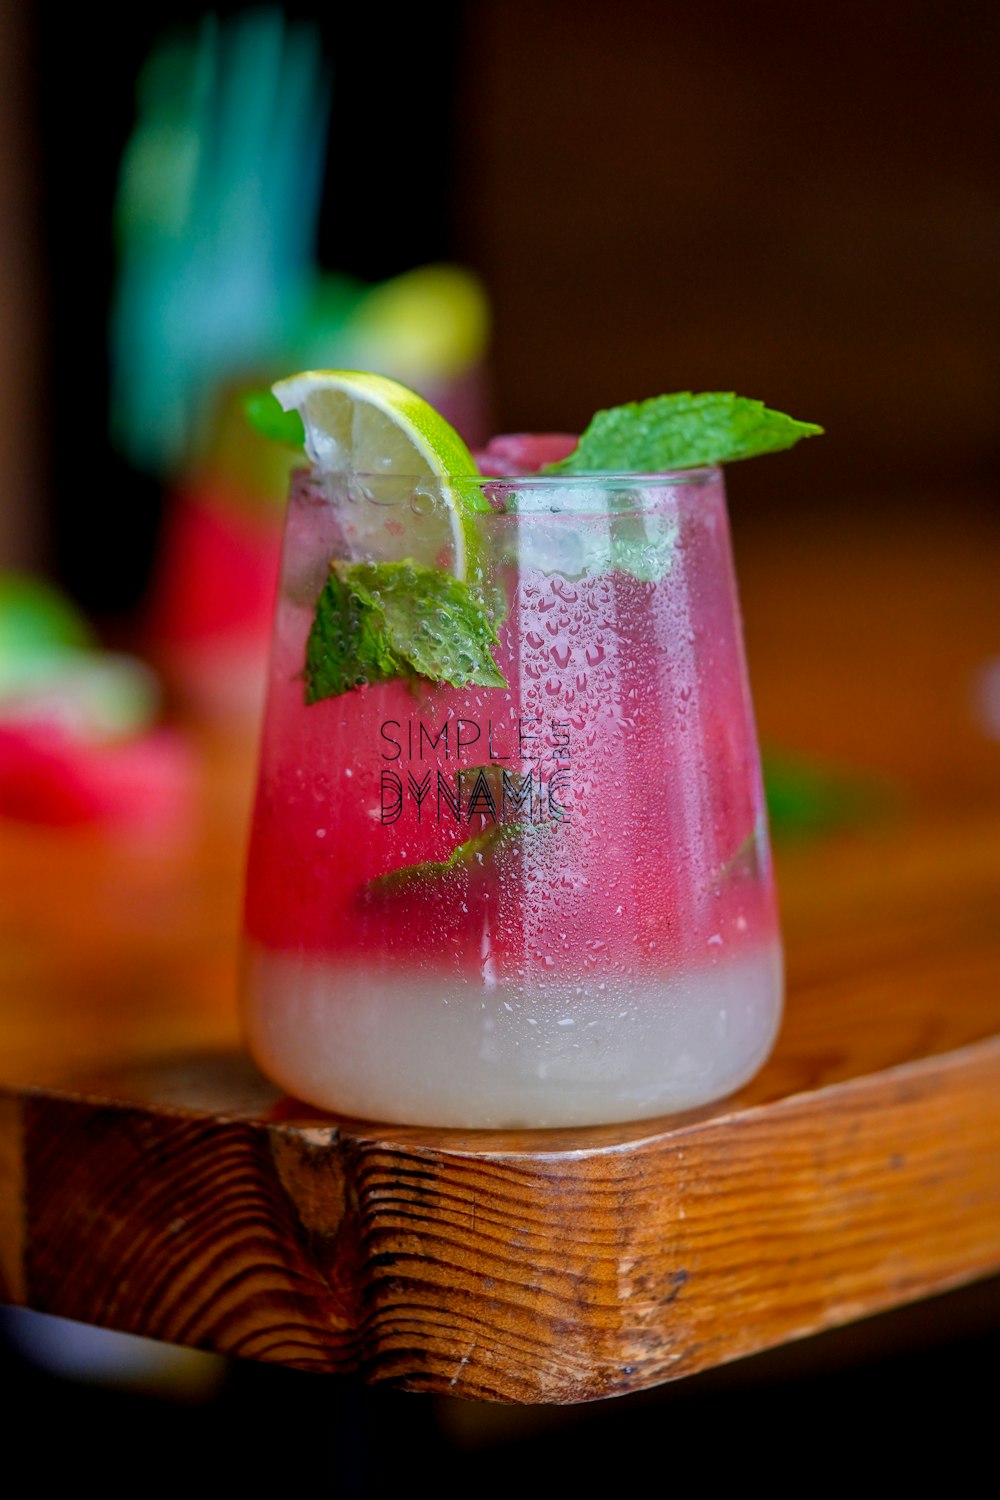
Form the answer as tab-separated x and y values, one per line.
265	415
378	621
682	431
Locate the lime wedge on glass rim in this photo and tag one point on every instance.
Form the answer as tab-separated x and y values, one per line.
370	428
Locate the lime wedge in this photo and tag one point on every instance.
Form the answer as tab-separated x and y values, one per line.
370	427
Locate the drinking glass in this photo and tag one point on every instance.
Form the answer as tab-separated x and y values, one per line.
548	903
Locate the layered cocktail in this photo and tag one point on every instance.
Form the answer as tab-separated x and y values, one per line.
509	864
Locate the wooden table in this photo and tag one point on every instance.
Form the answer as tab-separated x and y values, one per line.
151	1181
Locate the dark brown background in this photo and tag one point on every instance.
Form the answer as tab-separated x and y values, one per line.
795	201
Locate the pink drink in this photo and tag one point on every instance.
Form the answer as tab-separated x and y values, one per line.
609	949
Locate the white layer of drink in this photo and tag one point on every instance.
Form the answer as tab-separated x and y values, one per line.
504	1057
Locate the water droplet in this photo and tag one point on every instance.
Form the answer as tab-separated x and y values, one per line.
560	655
595	654
422	503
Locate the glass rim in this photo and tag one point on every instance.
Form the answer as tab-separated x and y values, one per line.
602	479
481	496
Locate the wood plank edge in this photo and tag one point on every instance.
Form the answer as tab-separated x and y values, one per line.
368	1254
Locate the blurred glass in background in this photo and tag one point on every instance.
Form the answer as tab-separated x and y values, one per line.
217	290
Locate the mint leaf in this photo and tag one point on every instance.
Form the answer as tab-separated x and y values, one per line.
266	415
378	621
682	431
743	861
348	643
473	855
438	625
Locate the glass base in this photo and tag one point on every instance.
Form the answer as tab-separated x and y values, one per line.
433	1050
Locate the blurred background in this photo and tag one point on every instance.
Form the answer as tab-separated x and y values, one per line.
794	201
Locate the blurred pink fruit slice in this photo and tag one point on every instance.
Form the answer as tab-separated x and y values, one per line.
48	777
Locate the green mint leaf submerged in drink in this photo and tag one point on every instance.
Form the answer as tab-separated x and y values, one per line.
441	626
348	643
682	431
378	621
469	858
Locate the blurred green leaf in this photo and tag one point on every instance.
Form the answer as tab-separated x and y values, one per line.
806	799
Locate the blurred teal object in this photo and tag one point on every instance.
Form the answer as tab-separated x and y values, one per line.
218	288
216	222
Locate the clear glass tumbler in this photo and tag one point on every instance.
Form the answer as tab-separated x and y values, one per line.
544	903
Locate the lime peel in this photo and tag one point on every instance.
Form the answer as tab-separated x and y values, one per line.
361	424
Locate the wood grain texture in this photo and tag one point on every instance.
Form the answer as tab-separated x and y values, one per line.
151	1180
518	1273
